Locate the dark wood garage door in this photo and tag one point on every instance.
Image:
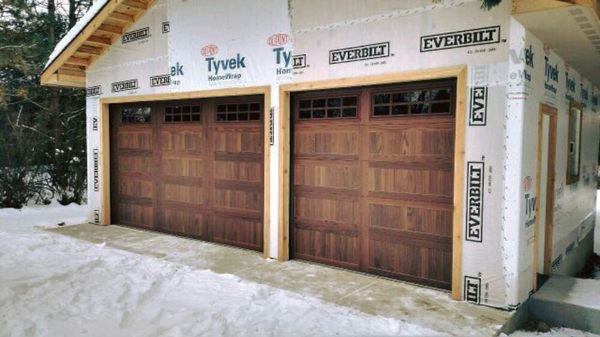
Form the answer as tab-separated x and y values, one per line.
193	168
373	180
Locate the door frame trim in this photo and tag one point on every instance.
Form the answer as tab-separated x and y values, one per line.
104	124
285	91
552	113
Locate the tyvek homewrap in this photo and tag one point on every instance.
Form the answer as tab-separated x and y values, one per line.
539	76
183	46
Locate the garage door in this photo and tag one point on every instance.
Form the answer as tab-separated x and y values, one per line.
373	180
193	168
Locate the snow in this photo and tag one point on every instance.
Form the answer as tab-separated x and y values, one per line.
54	285
554	332
75	30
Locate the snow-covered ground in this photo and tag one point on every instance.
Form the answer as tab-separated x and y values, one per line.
53	285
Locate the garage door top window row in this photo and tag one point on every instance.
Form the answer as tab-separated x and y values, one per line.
413	102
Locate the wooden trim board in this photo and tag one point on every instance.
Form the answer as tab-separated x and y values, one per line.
550	178
458	72
105	142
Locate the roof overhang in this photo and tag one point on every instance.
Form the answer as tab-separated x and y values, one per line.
88	42
571	28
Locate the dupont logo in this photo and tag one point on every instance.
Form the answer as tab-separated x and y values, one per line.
124	85
279	39
96	158
299	61
160	80
460	39
93	91
472	291
478	106
475	183
209	50
359	53
136	35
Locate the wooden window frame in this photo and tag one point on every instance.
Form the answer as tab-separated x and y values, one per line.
459	73
574	105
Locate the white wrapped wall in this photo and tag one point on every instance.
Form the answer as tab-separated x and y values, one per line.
574	204
182	46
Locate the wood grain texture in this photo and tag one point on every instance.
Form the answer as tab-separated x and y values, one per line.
203	179
374	193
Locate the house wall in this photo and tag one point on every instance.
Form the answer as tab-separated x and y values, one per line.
574	204
308	31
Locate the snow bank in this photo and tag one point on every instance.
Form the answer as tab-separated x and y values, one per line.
54	285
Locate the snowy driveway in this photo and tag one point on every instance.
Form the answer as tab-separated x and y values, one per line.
55	285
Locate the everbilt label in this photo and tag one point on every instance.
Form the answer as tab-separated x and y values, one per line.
124	85
95	154
359	53
93	91
478	108
472	291
136	35
215	66
459	39
160	80
475	184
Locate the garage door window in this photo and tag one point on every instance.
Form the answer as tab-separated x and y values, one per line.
186	113
413	102
136	115
234	112
328	108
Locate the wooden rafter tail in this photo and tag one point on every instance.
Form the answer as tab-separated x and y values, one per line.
93	41
98	41
136	4
118	16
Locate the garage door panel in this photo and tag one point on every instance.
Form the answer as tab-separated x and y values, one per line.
412	141
240	231
235	140
327	142
326	209
183	167
136	214
323	174
139	138
415	219
327	247
192	222
411	181
136	187
239	170
135	164
183	141
241	198
183	193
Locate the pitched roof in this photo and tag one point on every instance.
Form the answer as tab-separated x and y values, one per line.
93	34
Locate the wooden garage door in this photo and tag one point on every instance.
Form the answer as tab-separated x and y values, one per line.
193	168
373	180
